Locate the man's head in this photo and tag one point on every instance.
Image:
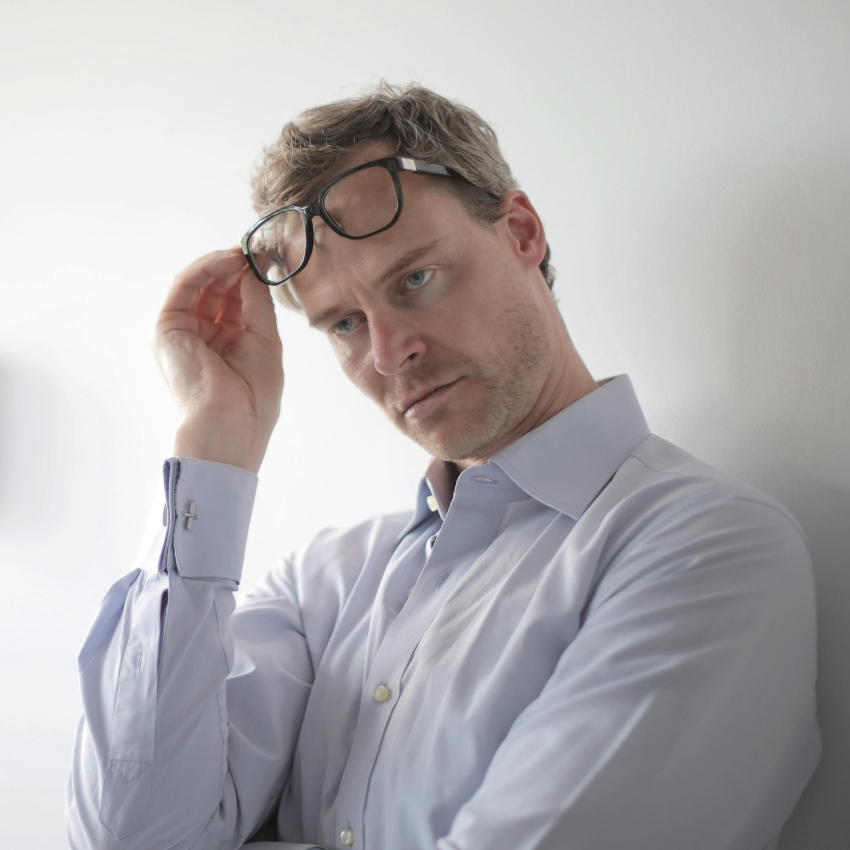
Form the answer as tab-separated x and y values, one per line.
413	121
446	319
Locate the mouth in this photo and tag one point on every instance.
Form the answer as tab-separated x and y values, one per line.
421	403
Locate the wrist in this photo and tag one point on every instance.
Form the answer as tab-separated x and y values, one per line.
227	439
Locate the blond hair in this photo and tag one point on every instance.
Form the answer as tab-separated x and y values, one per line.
416	122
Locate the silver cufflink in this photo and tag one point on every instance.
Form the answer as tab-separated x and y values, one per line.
190	515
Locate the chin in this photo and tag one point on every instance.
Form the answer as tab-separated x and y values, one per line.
460	440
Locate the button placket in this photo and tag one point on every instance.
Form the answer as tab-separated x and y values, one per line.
429	545
469	533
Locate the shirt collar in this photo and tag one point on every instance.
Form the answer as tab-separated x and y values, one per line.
565	462
434	495
441	478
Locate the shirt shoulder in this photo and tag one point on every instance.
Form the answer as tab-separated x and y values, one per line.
658	472
667	516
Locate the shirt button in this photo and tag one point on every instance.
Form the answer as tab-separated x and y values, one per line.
380	694
347	837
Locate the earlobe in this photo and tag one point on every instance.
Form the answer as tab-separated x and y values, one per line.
525	227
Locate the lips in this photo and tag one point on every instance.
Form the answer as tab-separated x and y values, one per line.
423	394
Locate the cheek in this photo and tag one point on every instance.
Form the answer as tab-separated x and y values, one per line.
358	369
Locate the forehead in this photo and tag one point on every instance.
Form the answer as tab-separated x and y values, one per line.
377	149
431	219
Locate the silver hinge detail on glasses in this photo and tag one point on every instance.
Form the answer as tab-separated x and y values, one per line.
408	164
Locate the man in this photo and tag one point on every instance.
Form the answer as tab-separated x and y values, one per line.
582	637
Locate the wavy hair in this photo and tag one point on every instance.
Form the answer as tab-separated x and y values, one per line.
416	122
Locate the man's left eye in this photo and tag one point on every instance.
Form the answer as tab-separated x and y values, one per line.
416	280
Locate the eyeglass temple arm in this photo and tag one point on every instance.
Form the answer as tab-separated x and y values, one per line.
423	167
408	164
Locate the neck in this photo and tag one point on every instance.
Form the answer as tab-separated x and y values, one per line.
566	382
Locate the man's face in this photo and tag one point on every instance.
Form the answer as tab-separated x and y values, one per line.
442	321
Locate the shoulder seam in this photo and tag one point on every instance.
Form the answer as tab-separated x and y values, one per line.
739	497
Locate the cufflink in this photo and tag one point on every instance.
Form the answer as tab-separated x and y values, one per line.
190	515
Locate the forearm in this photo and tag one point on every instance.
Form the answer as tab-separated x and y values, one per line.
151	755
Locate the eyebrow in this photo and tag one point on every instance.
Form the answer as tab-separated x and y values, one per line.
395	269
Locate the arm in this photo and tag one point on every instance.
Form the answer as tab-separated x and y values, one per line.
172	752
682	715
163	758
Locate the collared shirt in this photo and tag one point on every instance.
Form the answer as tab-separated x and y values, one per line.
596	641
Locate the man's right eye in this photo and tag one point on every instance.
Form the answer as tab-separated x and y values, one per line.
345	326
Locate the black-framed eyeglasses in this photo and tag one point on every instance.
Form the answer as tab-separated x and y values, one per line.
359	203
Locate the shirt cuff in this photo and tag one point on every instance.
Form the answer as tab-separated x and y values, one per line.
208	512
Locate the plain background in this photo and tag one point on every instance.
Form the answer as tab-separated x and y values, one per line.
691	161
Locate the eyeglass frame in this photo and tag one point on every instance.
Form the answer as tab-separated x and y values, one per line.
394	164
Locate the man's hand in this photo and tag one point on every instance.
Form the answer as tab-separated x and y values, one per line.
217	344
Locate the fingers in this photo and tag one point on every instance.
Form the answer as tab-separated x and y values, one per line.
258	306
210	276
227	323
218	298
247	304
220	310
230	306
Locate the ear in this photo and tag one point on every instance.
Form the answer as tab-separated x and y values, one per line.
523	228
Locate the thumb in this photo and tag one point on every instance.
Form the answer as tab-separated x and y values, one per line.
257	306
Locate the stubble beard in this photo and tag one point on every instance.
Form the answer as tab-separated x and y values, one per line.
508	377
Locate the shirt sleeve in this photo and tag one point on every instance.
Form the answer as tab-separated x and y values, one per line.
175	748
682	715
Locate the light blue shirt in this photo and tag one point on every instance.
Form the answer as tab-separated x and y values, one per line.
596	642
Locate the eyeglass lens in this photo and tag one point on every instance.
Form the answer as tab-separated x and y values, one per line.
364	202
277	247
360	204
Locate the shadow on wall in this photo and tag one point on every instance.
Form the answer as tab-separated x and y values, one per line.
791	376
56	468
821	819
766	363
31	446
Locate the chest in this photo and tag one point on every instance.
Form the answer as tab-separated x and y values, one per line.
415	693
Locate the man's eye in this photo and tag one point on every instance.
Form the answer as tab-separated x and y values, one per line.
345	326
416	280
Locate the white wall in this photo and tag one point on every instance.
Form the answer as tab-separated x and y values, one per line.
691	162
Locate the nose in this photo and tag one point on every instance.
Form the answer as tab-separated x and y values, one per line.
396	344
